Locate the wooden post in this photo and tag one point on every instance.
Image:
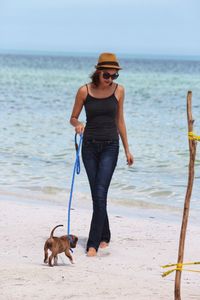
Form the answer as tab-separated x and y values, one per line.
192	148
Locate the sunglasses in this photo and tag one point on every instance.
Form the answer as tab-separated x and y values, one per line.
107	75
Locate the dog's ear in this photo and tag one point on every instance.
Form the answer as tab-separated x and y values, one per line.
75	239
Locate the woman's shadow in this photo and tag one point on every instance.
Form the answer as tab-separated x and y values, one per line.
82	241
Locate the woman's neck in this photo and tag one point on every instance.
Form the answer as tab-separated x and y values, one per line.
103	87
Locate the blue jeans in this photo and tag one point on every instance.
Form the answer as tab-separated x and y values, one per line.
100	159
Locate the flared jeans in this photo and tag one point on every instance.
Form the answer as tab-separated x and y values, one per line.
99	159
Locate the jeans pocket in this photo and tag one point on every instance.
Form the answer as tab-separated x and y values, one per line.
88	146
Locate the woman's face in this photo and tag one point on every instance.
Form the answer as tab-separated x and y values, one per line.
107	76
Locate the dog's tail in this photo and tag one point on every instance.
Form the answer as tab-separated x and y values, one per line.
51	235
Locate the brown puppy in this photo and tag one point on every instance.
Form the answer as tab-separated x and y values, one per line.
58	245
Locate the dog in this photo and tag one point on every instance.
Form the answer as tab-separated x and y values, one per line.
58	245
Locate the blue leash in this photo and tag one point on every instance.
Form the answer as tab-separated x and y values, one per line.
76	170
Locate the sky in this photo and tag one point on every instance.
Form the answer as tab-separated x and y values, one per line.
151	27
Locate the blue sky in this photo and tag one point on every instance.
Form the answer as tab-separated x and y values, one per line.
169	27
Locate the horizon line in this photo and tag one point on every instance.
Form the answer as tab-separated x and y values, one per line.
95	53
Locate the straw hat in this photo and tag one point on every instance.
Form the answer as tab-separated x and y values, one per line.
108	60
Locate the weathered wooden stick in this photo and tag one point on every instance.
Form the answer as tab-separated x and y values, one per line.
192	147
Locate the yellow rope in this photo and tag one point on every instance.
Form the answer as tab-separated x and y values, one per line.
183	264
179	267
192	136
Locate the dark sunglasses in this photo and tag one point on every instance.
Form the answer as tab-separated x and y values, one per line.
107	75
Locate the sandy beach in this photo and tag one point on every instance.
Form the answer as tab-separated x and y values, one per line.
129	268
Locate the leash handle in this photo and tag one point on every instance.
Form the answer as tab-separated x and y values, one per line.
77	147
76	170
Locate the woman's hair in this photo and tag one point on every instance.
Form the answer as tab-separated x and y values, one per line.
95	77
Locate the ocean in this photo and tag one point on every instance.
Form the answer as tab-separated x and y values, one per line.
37	151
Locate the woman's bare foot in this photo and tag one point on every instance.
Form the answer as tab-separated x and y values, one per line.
91	252
103	245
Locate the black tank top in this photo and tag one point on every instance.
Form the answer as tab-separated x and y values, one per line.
101	117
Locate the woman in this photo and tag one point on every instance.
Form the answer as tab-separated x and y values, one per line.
103	100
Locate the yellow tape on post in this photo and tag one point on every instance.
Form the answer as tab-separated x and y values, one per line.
179	268
192	136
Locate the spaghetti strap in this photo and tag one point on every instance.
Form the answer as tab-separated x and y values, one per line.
115	88
87	88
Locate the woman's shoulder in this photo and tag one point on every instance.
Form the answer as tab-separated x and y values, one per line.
83	91
120	88
119	92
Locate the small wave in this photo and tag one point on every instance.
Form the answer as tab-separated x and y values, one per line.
161	194
49	190
144	204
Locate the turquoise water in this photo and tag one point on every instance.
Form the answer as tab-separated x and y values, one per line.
37	141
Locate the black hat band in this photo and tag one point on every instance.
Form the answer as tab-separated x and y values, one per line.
111	63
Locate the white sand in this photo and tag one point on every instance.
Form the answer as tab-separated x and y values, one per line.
128	269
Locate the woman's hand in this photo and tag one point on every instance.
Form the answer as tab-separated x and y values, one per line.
80	128
129	158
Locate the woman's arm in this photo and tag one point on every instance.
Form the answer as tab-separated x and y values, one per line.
78	105
121	125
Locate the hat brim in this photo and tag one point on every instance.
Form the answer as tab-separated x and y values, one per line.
108	67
